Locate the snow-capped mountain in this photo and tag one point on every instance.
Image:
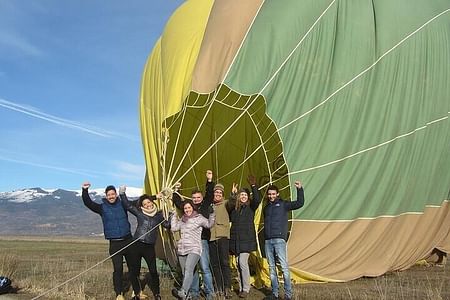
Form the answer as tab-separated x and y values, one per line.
37	211
34	194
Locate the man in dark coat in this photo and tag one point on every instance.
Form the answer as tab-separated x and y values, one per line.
276	214
116	229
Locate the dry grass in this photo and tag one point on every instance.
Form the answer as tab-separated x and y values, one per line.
36	266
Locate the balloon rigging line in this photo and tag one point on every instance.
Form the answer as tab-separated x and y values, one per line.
177	115
370	218
245	110
193	172
242	169
162	154
370	148
237	100
198	97
217	155
208	102
243	162
97	264
296	47
217	91
364	71
265	151
169	177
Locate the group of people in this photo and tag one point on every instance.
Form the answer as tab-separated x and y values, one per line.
211	228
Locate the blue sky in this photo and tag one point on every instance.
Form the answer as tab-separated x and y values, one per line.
70	76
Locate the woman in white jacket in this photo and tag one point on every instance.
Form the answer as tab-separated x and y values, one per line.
189	247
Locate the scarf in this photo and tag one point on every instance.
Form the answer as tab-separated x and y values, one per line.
150	212
185	218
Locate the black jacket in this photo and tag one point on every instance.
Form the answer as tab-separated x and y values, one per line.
203	208
145	223
242	232
276	216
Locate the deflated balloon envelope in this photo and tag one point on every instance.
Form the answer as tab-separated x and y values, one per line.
350	97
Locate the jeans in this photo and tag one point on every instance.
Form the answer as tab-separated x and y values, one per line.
220	263
206	273
276	248
188	263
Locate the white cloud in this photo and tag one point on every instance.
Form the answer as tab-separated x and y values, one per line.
128	170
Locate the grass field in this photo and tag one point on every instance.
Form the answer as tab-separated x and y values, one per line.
37	265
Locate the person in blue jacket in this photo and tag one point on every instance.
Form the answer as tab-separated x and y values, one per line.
276	214
116	228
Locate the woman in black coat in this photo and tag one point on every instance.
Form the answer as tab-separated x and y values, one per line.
242	232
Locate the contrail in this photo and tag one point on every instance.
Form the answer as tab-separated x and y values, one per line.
30	111
60	169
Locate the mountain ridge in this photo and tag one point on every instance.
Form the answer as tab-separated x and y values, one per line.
52	212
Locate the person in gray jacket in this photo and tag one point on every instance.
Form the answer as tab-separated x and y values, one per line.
189	247
148	219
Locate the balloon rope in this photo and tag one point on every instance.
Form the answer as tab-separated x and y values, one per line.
169	181
97	264
193	173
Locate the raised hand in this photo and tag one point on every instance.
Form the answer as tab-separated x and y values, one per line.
234	189
122	189
209	175
86	185
177	186
251	180
298	184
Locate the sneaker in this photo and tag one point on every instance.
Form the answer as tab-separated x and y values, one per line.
179	294
228	294
243	294
120	297
142	295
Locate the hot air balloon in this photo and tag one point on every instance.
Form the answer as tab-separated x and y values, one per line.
353	97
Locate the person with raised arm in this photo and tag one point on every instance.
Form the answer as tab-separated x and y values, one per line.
242	232
116	228
219	247
276	214
148	219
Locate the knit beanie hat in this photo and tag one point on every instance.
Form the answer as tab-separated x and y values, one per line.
220	187
244	190
110	188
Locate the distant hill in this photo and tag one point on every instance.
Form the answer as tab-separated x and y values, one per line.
37	211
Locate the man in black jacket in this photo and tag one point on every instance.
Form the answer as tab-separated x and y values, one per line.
276	214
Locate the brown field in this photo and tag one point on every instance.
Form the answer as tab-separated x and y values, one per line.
37	265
